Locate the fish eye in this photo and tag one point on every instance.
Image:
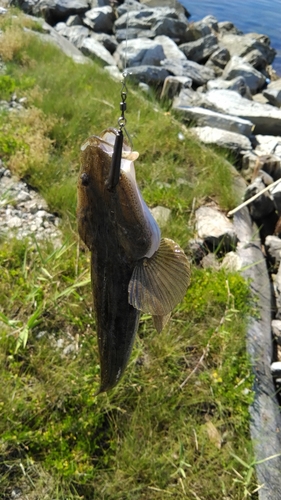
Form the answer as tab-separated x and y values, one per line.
85	179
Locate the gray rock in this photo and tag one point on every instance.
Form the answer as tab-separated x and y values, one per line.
260	98
173	85
256	59
58	10
238	84
74	21
63	44
197	249
143	51
215	228
175	4
199	74
237	67
268	145
242	45
276	195
100	19
210	261
99	3
200	50
207	118
220	57
261	206
114	72
197	30
173	28
273	93
93	48
145	88
226	27
161	215
129	5
276	330
152	75
229	140
147	19
75	34
273	247
108	41
232	262
276	369
132	33
248	165
267	119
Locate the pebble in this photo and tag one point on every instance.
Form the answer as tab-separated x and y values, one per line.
23	212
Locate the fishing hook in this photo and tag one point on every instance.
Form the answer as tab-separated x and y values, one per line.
114	173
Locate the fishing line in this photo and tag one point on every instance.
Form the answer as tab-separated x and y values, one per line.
114	173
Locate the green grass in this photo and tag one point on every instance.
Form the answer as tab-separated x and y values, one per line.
177	424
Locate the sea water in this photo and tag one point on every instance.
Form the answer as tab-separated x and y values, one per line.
259	16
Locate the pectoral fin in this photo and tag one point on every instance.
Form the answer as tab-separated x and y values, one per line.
159	283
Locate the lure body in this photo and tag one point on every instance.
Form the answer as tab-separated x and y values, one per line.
124	240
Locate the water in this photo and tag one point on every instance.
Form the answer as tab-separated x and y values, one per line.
259	16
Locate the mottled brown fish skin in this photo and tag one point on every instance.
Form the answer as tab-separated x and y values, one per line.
111	229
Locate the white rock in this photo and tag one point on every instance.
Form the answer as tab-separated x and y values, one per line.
273	247
232	262
161	215
268	144
266	118
205	117
238	67
214	228
223	138
14	221
91	47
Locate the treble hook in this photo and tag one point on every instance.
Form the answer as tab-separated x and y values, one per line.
114	173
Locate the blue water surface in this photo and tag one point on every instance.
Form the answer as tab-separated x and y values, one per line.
259	16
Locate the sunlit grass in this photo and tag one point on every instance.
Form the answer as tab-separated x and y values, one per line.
178	420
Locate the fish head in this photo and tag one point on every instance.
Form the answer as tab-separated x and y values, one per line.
122	211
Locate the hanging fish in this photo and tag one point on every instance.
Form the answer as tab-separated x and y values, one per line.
132	268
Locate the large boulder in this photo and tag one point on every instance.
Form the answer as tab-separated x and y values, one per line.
152	75
198	73
200	50
223	138
75	34
143	51
266	118
92	48
237	67
100	19
273	93
238	84
243	45
201	28
58	10
207	118
160	21
215	229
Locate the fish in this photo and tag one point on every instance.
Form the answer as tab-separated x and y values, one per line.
133	269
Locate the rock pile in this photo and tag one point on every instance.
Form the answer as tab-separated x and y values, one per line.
23	212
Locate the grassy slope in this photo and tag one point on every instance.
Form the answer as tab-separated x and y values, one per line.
157	435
